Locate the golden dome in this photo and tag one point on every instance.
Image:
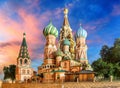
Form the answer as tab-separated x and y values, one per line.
65	11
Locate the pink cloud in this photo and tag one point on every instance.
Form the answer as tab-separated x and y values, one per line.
96	40
33	4
96	25
11	31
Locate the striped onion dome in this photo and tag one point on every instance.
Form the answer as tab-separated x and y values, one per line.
50	29
81	32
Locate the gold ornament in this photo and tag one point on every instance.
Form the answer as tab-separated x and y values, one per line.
65	11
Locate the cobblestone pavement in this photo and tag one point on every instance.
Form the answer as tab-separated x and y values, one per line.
92	85
65	85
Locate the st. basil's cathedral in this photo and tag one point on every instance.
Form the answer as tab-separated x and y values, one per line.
65	61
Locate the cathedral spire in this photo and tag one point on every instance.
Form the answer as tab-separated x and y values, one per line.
23	53
24	40
66	32
65	22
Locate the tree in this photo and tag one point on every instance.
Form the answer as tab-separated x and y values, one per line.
110	68
112	54
104	52
9	72
6	73
109	63
12	69
117	69
116	51
117	42
99	67
103	68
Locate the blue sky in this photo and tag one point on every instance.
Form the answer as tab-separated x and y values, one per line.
100	18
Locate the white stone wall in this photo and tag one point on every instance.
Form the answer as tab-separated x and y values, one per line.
25	74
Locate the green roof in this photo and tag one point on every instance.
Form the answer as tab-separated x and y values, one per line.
50	29
24	40
23	53
66	42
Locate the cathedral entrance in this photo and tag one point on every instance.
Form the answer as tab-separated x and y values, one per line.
75	78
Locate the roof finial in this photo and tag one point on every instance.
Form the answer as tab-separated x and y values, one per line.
80	24
65	11
24	35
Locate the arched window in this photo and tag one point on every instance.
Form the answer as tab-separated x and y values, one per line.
20	61
25	61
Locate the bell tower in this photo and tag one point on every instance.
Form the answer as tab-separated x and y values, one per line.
23	69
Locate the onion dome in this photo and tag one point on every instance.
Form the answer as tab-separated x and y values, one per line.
66	42
50	29
59	53
81	32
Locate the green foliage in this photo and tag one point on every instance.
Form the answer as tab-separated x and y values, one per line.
109	63
117	42
105	69
6	72
112	54
104	52
117	69
9	72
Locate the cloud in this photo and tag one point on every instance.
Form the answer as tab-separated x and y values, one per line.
116	10
69	4
12	29
11	36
